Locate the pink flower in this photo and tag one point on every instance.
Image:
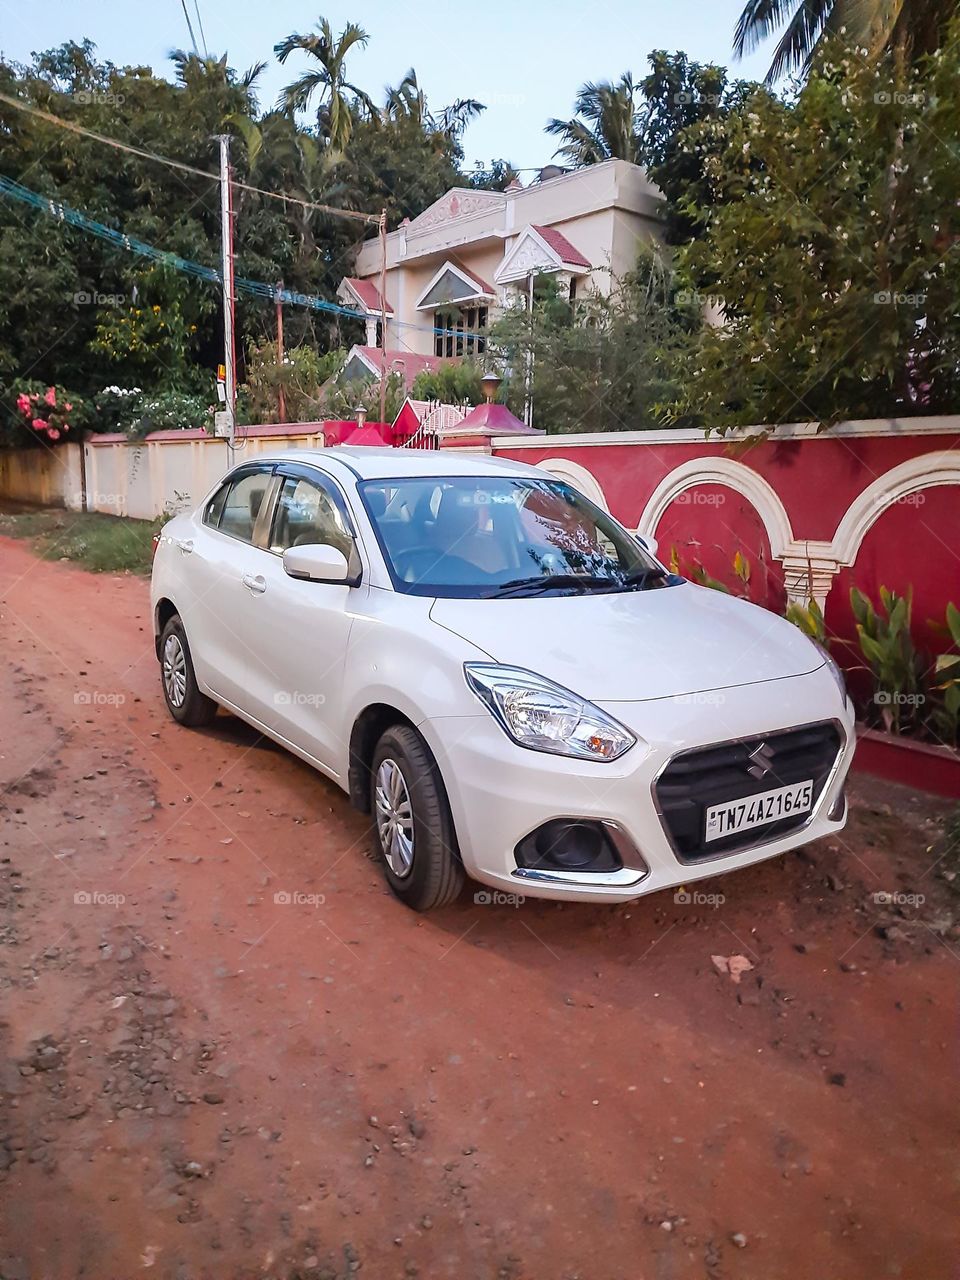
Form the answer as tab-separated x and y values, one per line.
51	397
40	424
23	403
53	433
68	408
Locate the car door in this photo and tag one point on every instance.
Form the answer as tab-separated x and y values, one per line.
297	664
224	573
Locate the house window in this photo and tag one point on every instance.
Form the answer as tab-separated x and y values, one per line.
460	332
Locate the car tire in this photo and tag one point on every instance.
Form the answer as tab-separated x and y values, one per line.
185	702
420	856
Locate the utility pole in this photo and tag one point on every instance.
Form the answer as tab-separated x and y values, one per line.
528	373
281	401
383	314
226	275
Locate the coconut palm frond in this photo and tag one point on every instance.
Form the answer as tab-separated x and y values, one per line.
760	18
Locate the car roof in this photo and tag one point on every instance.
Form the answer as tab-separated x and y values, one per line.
367	462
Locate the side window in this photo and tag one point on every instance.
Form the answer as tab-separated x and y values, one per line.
235	508
214	507
307	513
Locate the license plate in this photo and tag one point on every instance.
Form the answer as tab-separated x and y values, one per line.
757	811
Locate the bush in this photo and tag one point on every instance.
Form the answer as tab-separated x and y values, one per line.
39	414
136	412
302	375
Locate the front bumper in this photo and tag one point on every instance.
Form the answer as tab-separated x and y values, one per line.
500	792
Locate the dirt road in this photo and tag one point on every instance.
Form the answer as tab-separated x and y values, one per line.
228	1052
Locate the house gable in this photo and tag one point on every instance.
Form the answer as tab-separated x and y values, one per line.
535	253
453	285
459	202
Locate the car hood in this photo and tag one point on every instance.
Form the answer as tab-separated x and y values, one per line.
635	645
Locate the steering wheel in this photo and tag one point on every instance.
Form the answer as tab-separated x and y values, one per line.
420	563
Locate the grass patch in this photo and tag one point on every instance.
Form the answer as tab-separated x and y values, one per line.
100	543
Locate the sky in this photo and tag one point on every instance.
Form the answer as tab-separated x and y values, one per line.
525	59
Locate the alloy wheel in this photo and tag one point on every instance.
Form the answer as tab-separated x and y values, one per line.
394	818
174	671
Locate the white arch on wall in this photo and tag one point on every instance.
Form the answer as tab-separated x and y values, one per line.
734	475
925	471
578	476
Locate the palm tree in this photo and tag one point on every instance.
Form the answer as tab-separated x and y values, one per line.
408	102
329	77
910	27
221	97
605	125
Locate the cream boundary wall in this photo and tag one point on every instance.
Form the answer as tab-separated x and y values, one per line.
42	477
606	211
141	480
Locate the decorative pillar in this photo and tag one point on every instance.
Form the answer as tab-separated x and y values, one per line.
809	569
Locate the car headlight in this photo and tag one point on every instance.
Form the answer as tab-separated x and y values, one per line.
543	716
835	672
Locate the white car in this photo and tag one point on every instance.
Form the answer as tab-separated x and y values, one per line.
499	672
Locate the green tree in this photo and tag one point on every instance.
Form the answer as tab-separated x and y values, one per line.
407	101
450	383
830	248
604	125
911	27
339	98
676	95
600	364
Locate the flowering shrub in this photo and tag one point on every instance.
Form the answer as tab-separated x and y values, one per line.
42	415
136	412
47	414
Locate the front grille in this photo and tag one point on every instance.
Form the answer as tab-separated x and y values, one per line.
696	779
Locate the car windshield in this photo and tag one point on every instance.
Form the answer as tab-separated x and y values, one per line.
501	536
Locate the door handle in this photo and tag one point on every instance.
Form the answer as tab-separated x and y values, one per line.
257	584
185	545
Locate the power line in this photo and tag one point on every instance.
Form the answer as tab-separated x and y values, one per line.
193	38
203	38
369	218
131	244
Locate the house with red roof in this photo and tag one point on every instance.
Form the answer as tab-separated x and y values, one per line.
472	253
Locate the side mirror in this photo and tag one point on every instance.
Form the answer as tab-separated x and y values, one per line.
316	562
648	542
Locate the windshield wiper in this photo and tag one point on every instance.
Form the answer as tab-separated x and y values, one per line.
642	578
551	581
638	580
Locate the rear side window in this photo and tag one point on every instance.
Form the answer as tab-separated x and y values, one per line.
215	506
235	506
